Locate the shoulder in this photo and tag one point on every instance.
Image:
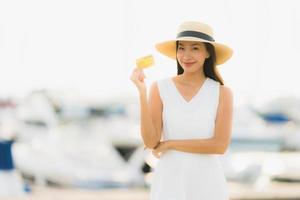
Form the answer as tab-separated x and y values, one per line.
159	83
226	94
155	94
160	87
213	82
225	90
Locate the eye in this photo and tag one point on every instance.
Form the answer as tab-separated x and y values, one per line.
180	48
195	48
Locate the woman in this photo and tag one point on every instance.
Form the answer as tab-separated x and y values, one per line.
187	121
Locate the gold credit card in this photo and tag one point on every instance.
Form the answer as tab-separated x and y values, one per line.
145	62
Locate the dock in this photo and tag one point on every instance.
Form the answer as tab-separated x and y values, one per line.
274	191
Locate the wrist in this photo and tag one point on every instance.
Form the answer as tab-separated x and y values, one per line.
143	92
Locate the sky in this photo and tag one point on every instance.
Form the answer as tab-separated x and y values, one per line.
89	48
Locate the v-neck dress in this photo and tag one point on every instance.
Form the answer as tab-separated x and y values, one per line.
181	175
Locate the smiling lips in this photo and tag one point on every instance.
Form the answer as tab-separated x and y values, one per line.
188	64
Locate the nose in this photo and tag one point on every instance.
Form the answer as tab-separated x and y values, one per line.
186	55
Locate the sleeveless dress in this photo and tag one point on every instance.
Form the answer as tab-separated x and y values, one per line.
181	175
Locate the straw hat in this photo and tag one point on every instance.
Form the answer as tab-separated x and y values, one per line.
199	32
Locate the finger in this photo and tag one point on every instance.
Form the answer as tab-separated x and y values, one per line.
137	70
141	73
144	76
135	77
140	77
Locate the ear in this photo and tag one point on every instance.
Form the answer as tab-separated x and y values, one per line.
207	55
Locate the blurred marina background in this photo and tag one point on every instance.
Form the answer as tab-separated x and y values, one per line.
69	114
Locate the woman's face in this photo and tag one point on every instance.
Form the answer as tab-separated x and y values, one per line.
191	55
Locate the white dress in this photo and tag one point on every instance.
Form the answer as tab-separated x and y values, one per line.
181	175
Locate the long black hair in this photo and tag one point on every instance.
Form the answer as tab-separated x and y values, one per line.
209	66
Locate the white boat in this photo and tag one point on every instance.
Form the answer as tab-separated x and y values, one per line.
80	145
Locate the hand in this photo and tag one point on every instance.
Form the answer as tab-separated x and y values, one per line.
160	149
137	77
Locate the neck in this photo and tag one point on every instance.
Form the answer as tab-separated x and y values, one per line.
193	77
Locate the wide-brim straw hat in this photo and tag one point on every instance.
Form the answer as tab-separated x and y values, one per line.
198	32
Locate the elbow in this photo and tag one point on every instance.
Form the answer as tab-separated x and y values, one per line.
221	145
151	142
151	145
221	149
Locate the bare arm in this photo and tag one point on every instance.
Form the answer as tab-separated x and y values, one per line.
150	112
151	120
222	133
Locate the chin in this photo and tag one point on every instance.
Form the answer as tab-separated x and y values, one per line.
191	70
